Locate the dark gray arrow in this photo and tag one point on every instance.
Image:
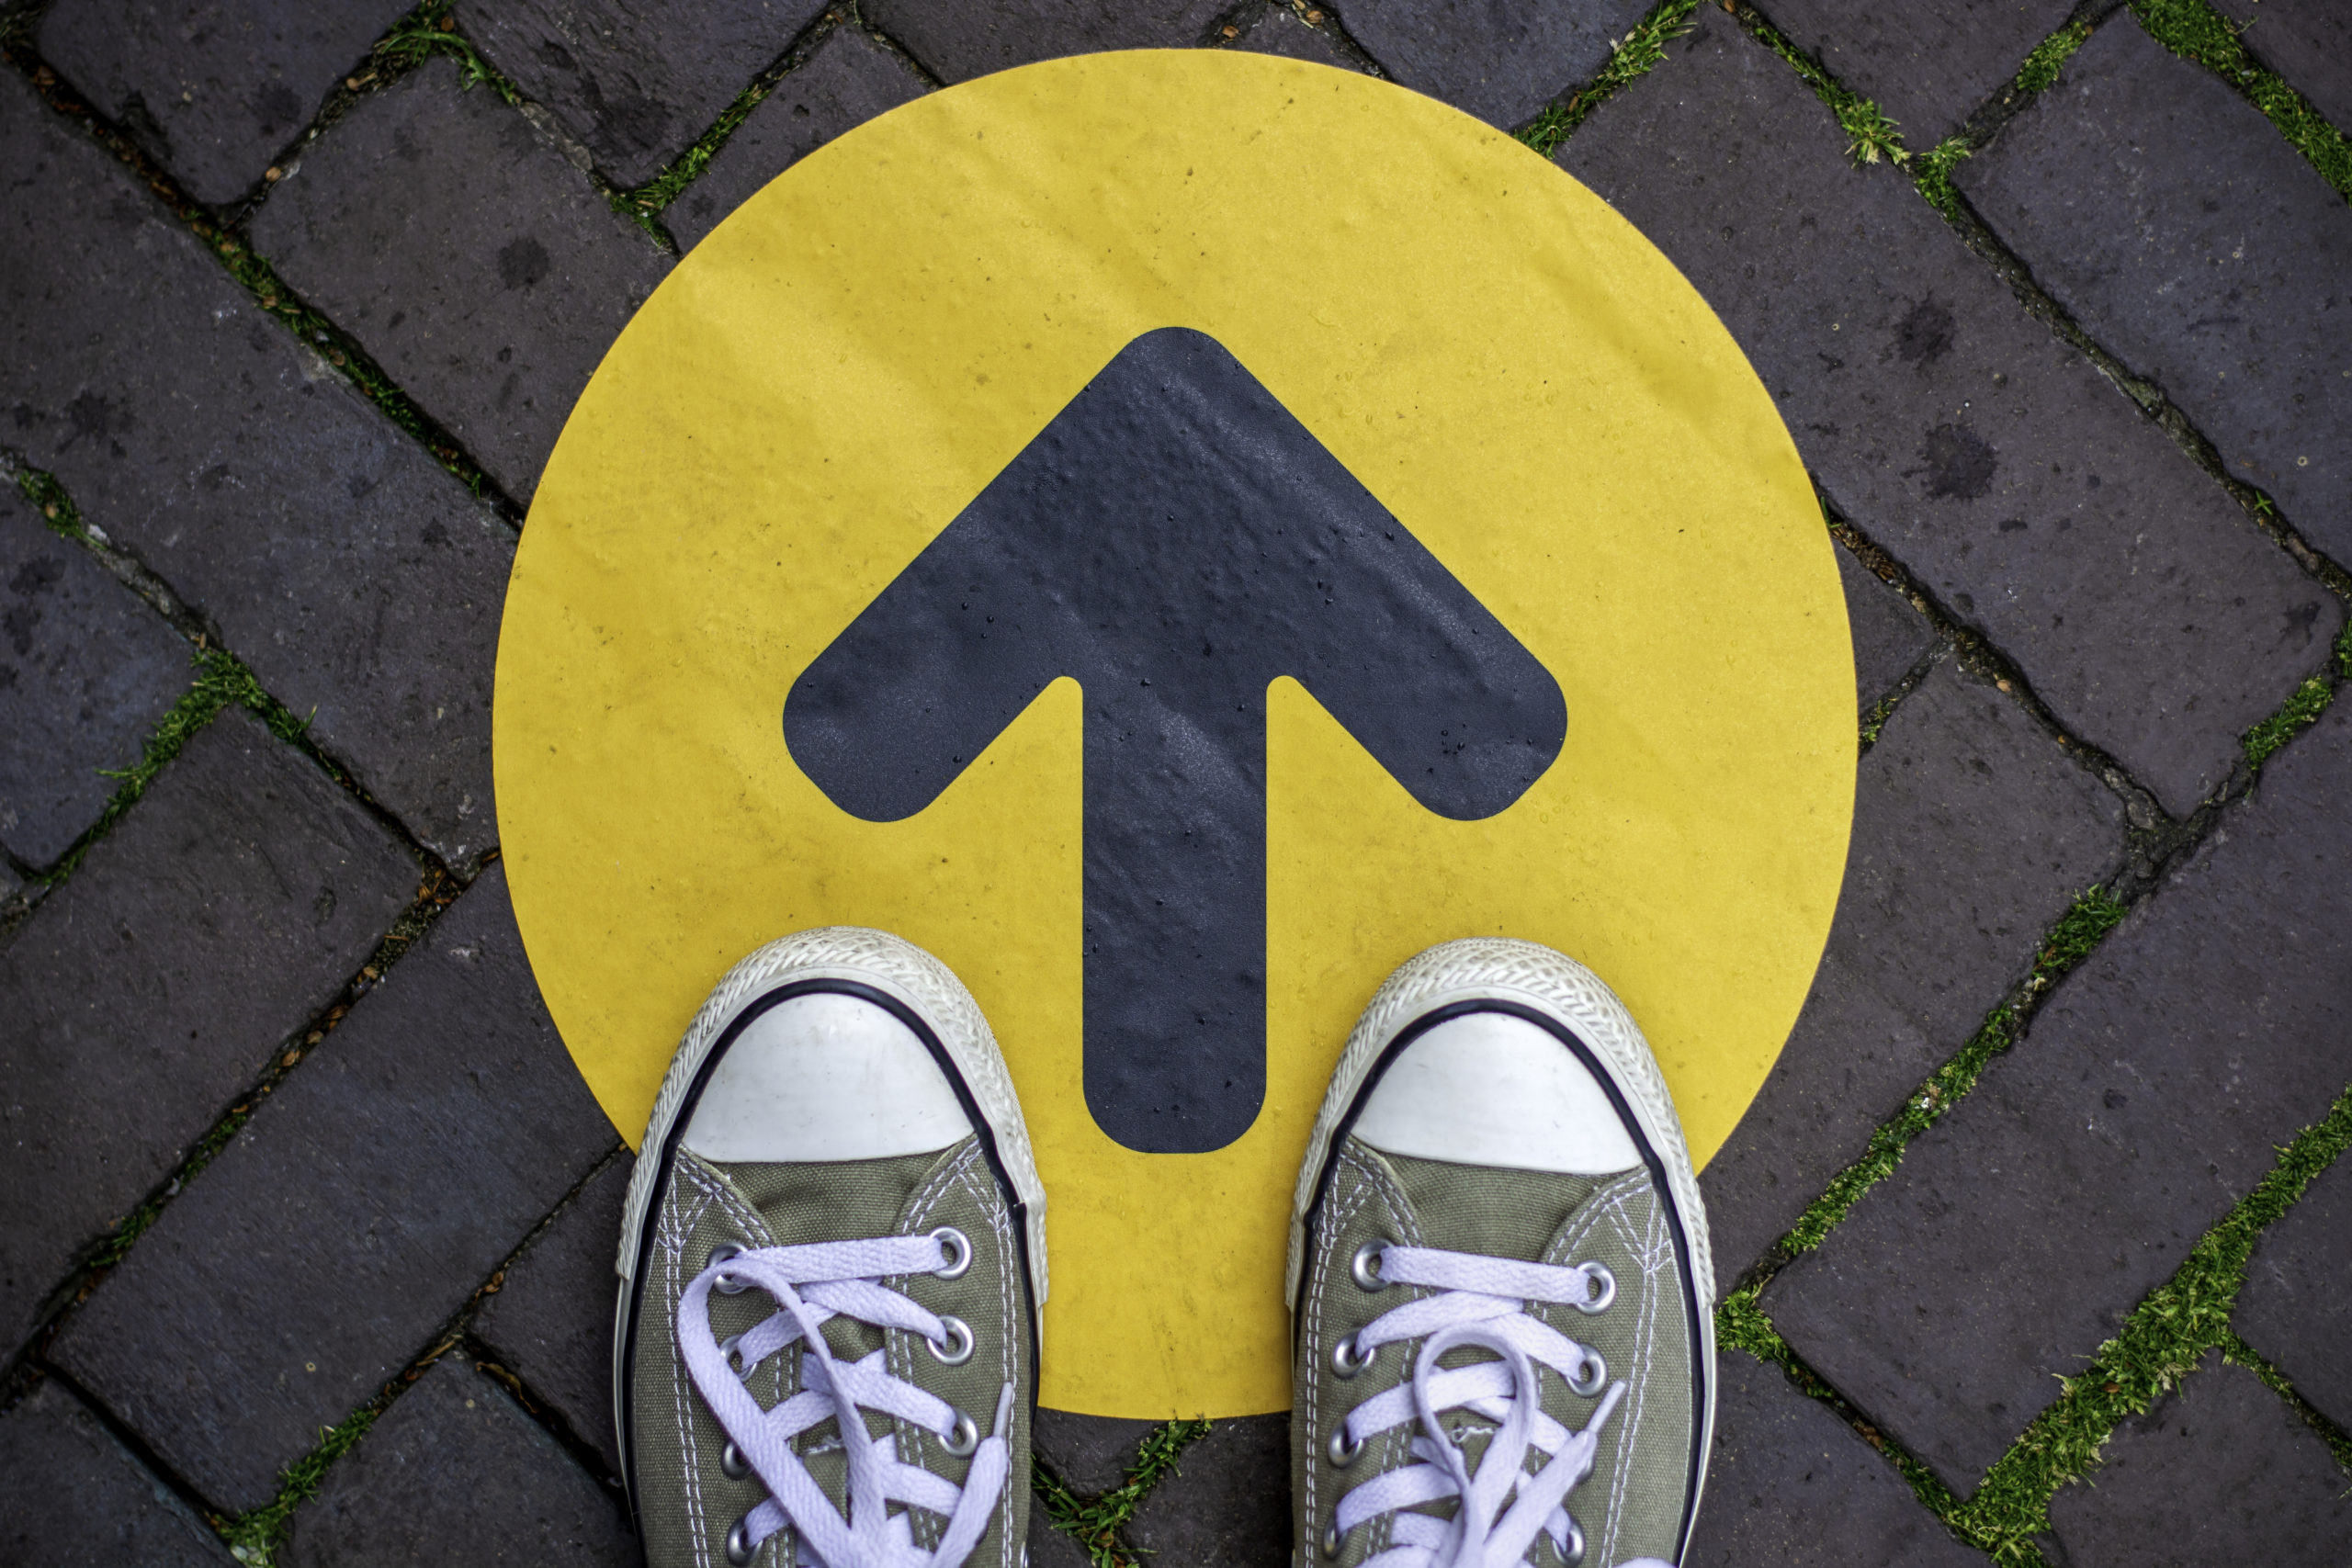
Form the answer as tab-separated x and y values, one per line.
1175	540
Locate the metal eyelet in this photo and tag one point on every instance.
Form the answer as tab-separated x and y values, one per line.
1361	1268
1590	1375
958	1347
958	1247
1347	1359
732	1349
1573	1554
1607	1283
1342	1452
739	1545
732	1464
725	1285
1331	1537
961	1438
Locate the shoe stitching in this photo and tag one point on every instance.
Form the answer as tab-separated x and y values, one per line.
1397	1445
1644	1248
1000	1223
1606	1207
697	1514
1340	1206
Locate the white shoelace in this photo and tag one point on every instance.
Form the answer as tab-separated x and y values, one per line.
812	1284
1501	1508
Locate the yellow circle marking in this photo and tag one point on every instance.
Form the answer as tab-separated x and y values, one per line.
1505	364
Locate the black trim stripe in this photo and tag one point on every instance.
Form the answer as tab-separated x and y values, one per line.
1595	1065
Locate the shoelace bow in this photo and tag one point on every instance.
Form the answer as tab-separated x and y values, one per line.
1500	1507
812	1284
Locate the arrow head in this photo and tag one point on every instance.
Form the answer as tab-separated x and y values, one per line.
1175	540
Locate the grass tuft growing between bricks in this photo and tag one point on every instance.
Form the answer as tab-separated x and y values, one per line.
2194	31
254	1538
221	679
1640	51
1096	1525
431	30
2068	942
2165	1336
1871	136
2041	67
2163	1339
2310	700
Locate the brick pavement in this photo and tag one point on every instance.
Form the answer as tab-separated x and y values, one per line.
2081	432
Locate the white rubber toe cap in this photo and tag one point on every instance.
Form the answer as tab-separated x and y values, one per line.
824	1078
1490	1089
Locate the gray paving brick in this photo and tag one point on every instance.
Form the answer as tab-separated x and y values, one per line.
1889	637
956	39
1791	1484
2187	236
551	1323
76	1498
2016	485
1281	30
846	81
1973	833
360	581
350	1217
1928	66
2148	1096
2308	42
1049	1548
2295	1308
467	256
213	91
635	81
455	1472
1500	63
2221	1470
224	911
86	670
1228	1502
1089	1452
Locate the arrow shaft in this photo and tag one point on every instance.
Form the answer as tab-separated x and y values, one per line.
1175	919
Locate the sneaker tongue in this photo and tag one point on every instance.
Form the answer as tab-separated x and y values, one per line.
1489	1210
835	1201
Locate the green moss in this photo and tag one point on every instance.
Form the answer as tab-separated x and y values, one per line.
663	188
429	30
1096	1524
2194	31
255	1537
2069	942
1871	136
1640	51
2165	1337
1932	174
2309	700
221	679
2041	67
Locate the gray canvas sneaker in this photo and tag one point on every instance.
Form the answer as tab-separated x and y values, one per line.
1499	1282
832	1258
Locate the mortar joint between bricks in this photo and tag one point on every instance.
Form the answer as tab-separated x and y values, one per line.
316	334
1933	185
223	680
2163	1338
1981	658
437	889
1641	50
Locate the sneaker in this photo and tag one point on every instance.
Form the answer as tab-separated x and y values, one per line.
1499	1275
832	1261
